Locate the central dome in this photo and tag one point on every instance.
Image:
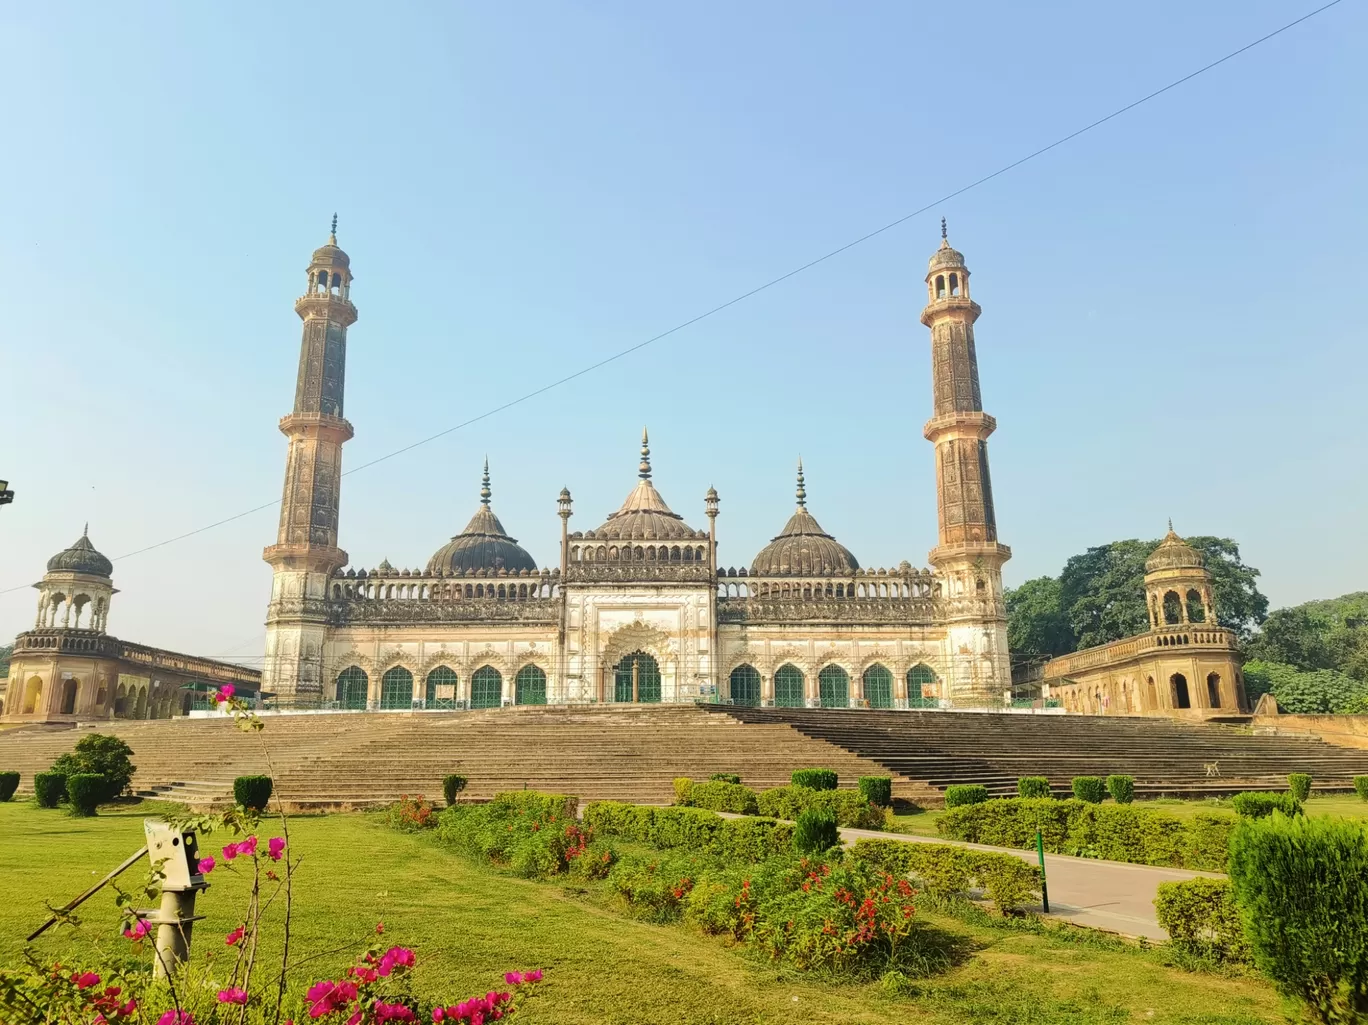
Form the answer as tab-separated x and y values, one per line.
644	516
81	557
483	545
803	548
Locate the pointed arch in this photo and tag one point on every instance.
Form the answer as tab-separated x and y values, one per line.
396	688
744	686
440	687
833	687
529	686
877	681
921	686
352	686
789	684
486	687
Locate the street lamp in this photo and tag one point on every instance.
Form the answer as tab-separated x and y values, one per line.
6	495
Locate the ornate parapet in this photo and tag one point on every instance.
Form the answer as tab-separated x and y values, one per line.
854	611
1165	639
381	611
903	582
91	644
624	572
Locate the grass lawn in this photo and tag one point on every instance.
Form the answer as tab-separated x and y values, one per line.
469	925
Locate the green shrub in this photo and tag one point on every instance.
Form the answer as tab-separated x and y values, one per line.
740	840
452	786
1299	884
85	790
653	887
1122	788
965	793
814	779
946	873
410	815
683	787
9	783
49	788
1033	786
1089	788
1299	786
1202	919
722	796
850	807
534	803
102	754
1361	786
1256	804
252	792
877	790
724	777
816	831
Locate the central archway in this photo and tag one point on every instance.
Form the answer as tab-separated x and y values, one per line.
1181	698
788	686
396	689
745	686
486	688
920	679
529	686
878	686
69	697
440	689
352	684
833	687
637	678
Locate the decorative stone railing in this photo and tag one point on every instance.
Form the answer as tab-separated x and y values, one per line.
904	582
539	611
415	586
1165	637
902	611
638	572
96	645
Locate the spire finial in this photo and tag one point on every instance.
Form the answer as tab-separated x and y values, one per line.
943	235
332	233
802	491
85	531
1170	524
644	470
484	484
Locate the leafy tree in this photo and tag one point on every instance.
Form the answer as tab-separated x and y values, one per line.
100	753
5	652
1313	692
1036	624
1293	637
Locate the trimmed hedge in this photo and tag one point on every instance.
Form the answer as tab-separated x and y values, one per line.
1089	788
722	796
877	790
253	792
747	840
85	790
816	832
49	788
1033	786
452	786
9	783
683	787
850	808
1361	786
962	794
945	872
1299	786
814	779
1122	788
1256	804
724	777
1299	884
535	803
1122	832
1202	919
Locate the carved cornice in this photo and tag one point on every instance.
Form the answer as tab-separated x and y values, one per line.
538	611
638	572
904	611
324	304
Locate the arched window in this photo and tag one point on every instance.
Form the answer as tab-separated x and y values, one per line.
788	686
833	687
940	286
352	684
1151	693
1173	608
69	697
954	284
396	688
1214	689
637	678
440	688
1195	610
101	696
1180	690
921	686
486	688
745	686
529	686
878	687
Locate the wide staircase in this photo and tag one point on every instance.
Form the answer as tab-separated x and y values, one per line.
1167	757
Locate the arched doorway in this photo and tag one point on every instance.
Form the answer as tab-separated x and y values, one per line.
486	688
788	686
745	686
33	691
352	685
140	709
878	686
1214	689
529	686
396	689
440	690
833	687
920	680
1151	694
1180	691
69	697
637	678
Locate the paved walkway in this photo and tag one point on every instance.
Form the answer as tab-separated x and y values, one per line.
1110	895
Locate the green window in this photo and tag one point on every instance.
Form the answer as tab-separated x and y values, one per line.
637	678
920	679
396	688
352	684
878	687
788	687
486	688
441	688
833	686
530	686
745	686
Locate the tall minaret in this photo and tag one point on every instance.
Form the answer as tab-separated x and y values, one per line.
306	552
968	556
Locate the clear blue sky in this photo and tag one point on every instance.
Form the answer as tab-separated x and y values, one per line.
1173	314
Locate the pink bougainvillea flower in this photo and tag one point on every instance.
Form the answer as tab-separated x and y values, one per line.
232	938
226	692
236	995
137	930
438	1015
206	865
533	976
275	847
513	978
230	852
392	1012
84	980
379	928
247	846
174	1017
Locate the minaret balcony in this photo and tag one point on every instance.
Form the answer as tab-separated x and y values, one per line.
970	423
316	425
950	304
325	304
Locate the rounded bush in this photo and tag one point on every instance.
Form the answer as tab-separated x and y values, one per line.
85	790
877	790
1361	786
252	792
1254	804
1122	788
9	783
724	777
965	793
1299	786
816	831
1089	788
49	788
103	754
1033	786
814	779
452	786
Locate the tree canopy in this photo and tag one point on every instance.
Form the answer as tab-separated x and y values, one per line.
6	650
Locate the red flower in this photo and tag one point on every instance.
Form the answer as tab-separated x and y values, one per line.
84	980
233	937
236	995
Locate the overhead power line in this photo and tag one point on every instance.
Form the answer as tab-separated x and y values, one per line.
759	288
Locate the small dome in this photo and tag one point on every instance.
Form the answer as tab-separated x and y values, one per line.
329	255
803	548
81	557
946	258
1174	553
483	545
644	516
384	567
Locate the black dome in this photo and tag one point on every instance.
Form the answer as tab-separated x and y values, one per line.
81	557
482	545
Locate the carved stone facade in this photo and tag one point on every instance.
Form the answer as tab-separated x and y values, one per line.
637	609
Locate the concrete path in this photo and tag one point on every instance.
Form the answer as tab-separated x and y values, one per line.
1110	895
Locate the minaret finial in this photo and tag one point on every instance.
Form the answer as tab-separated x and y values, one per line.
85	531
332	234
644	470
802	491
1170	524
943	235
484	484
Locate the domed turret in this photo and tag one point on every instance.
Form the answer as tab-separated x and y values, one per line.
803	549
482	545
644	516
81	557
1174	553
